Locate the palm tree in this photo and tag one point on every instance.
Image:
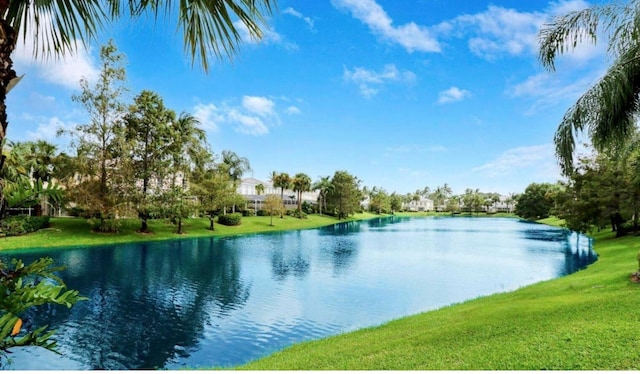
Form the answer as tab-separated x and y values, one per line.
259	191
189	147
301	183
608	110
322	186
282	181
207	27
235	165
41	159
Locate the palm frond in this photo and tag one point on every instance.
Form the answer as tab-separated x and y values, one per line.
55	26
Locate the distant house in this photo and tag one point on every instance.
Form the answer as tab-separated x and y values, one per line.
422	205
247	188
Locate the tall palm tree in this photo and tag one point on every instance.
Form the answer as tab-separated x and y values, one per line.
41	158
282	181
607	111
322	186
235	165
259	191
301	183
208	27
189	146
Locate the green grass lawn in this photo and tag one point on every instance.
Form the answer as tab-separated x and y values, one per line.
588	320
66	232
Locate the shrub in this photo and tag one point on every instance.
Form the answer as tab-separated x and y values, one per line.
19	225
262	213
233	219
248	213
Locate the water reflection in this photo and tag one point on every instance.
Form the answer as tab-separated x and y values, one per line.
220	302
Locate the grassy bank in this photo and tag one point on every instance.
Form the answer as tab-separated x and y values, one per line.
77	232
588	320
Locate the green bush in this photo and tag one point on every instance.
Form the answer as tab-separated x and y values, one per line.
248	213
233	219
262	213
19	225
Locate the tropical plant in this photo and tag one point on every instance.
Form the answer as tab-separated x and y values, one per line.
58	28
259	190
608	110
23	287
323	185
282	181
301	183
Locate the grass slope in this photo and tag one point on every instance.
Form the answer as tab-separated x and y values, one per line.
587	320
66	232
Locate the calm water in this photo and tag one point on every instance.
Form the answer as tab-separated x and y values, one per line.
221	302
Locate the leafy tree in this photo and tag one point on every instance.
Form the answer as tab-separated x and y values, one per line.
212	189
608	110
301	183
274	206
440	195
149	134
187	151
100	143
537	201
22	288
208	27
344	197
379	202
395	202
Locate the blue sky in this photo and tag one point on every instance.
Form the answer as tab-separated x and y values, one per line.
402	94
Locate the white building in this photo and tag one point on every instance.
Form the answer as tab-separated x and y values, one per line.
247	188
422	205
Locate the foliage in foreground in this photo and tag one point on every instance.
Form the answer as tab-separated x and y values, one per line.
22	288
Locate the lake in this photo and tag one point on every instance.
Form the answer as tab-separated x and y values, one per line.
227	301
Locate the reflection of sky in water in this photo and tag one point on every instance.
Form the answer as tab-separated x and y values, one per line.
222	302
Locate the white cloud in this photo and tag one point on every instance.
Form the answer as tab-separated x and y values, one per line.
259	105
247	124
537	160
209	116
64	71
549	89
292	110
499	31
370	81
411	36
48	128
453	94
254	115
297	14
268	36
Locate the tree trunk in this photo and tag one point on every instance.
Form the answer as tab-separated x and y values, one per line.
211	218
179	225
7	44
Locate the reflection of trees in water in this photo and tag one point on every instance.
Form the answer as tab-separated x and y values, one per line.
148	303
576	247
385	221
341	228
578	253
288	257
